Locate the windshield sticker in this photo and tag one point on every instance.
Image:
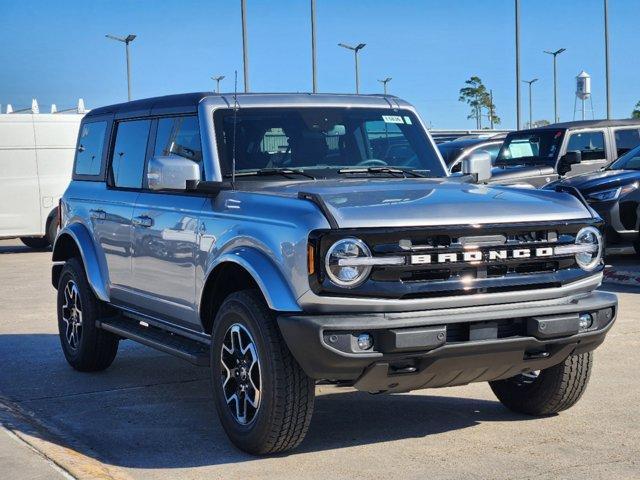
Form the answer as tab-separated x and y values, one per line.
407	120
392	119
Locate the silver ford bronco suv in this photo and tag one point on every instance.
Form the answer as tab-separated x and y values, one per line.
288	239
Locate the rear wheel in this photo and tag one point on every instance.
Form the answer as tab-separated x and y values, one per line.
548	391
85	347
263	397
37	243
40	243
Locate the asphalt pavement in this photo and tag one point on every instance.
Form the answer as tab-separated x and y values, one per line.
150	416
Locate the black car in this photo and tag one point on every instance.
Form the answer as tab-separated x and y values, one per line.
453	152
613	192
542	155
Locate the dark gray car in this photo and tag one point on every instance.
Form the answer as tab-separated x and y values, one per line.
286	239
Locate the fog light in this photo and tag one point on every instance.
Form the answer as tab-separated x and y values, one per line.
586	321
365	342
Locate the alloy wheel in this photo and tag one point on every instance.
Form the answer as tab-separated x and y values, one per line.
72	315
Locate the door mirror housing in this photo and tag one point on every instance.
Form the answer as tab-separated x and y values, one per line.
171	173
567	160
478	165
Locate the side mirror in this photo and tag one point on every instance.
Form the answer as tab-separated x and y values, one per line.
570	158
171	173
478	165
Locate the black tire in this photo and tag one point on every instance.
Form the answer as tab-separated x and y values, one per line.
554	389
52	228
285	406
37	243
93	349
636	247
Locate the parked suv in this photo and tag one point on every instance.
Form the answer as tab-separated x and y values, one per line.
545	154
287	239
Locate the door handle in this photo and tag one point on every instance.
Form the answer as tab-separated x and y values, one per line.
142	221
98	214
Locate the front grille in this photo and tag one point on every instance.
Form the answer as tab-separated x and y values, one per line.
439	277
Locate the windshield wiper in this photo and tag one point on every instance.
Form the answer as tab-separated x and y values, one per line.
390	170
273	171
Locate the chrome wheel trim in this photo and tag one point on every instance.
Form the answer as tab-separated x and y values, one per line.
240	374
72	315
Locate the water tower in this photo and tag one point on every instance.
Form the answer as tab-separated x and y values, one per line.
583	93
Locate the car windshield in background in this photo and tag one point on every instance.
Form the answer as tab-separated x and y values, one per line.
324	141
629	161
532	148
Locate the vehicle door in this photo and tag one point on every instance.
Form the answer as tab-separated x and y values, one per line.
165	229
592	145
19	187
112	214
625	139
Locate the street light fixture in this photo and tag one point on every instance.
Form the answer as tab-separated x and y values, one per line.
217	80
384	83
355	50
530	82
607	76
555	83
245	45
126	40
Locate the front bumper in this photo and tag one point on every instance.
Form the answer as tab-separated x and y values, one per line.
447	347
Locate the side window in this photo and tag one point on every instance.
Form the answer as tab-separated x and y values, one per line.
89	152
179	137
591	144
127	158
626	139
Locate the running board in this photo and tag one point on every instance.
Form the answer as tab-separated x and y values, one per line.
190	350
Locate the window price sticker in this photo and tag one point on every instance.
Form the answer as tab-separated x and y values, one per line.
392	119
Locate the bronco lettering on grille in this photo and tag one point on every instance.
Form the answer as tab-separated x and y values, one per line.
473	256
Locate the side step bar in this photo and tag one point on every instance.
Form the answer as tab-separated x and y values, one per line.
190	350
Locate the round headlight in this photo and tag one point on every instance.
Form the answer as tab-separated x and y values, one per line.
589	236
347	273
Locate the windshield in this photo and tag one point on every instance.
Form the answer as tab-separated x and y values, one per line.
324	141
629	161
530	148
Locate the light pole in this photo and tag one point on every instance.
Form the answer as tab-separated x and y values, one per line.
314	73
517	64
126	40
245	45
530	82
384	83
355	49
606	57
555	83
217	80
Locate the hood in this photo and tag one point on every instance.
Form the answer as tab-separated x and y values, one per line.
516	172
601	180
432	202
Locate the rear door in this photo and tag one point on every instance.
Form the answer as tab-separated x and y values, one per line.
112	216
625	139
166	228
593	145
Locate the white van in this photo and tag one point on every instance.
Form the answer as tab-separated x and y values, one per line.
36	159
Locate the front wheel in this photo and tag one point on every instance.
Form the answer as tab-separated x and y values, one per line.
548	391
263	397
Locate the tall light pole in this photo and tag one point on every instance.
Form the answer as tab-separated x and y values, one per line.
517	64
126	40
606	57
217	80
530	82
314	73
245	45
555	83
384	83
355	49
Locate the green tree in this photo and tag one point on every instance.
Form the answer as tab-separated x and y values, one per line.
636	111
476	95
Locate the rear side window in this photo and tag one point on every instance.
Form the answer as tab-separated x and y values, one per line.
626	139
90	145
127	158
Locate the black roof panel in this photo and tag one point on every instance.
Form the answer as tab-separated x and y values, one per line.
187	101
595	123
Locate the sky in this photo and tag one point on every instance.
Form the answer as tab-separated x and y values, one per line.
56	51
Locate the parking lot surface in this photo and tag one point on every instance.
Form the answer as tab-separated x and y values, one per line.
151	416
